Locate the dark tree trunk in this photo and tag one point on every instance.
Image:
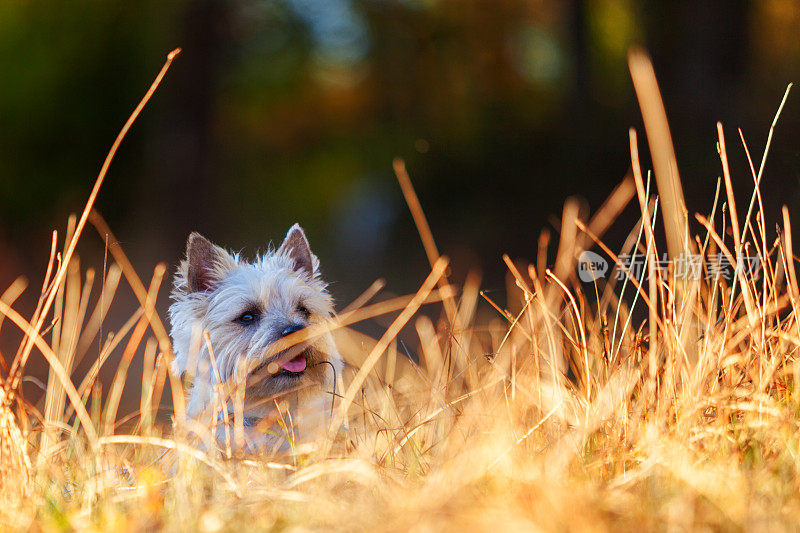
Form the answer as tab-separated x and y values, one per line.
180	181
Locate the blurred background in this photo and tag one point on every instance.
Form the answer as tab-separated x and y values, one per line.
284	111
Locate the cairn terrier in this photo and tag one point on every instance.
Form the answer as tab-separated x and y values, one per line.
226	317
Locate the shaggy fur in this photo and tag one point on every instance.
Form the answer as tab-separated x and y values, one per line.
245	307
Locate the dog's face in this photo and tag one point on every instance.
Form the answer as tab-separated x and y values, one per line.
246	307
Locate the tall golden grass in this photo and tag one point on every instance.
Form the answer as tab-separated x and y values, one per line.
619	404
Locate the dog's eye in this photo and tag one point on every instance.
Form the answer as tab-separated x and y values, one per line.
303	310
248	317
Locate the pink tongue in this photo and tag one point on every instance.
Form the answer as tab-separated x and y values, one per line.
298	364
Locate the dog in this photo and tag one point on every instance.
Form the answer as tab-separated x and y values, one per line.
231	323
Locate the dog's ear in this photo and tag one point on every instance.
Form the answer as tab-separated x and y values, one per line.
296	246
206	263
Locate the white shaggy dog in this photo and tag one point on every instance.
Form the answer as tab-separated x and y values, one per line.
245	308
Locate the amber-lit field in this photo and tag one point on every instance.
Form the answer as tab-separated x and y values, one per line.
668	401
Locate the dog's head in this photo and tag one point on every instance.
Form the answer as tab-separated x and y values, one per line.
248	310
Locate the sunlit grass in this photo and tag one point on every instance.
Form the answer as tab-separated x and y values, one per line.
670	402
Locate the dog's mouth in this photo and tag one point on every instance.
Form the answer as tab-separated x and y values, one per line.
293	368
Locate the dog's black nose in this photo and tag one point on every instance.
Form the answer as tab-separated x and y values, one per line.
291	329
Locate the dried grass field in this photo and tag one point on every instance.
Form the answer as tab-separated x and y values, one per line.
651	401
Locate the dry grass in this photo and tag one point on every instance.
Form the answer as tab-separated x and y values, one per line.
667	404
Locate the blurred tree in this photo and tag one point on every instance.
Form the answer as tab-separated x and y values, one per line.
285	110
181	171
